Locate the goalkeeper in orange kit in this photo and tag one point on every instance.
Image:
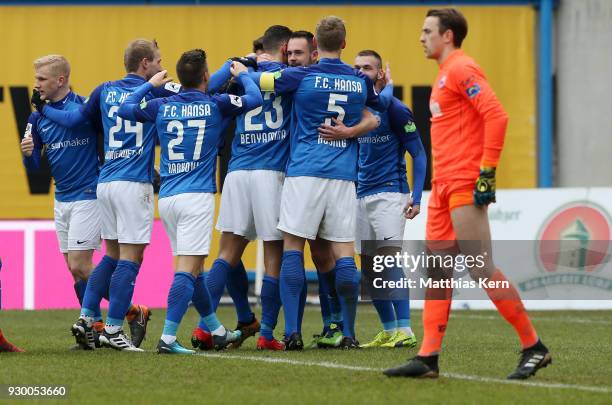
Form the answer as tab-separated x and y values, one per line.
468	126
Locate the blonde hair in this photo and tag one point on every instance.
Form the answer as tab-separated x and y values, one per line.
136	51
330	33
58	65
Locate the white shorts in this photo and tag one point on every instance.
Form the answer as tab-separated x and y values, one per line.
77	225
188	222
380	218
313	206
250	204
126	211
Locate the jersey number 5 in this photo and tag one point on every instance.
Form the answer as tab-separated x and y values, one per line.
333	107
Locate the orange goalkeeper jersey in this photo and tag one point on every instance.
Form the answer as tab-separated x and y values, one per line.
468	123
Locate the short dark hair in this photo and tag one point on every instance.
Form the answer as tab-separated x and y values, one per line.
258	44
275	37
307	35
330	33
451	19
191	67
136	51
374	54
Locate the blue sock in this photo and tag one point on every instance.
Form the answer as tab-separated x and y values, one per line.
402	312
97	287
385	313
238	289
302	306
291	284
216	280
181	292
334	301
202	301
347	286
212	321
79	289
324	301
121	291
270	306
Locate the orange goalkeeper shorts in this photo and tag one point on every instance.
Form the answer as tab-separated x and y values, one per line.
444	198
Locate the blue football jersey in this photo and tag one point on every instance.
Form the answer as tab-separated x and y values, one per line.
261	139
382	163
328	89
191	127
129	146
72	152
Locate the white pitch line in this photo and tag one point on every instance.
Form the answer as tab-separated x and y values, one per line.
325	364
537	318
458	314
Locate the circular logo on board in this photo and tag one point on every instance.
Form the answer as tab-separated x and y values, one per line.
576	237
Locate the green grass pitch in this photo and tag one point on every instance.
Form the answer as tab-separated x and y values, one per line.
480	349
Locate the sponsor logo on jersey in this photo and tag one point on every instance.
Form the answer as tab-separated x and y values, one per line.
410	127
235	100
473	90
173	87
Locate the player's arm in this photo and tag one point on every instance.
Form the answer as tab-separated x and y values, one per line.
224	74
31	144
134	108
232	105
220	77
70	119
282	82
469	81
403	126
337	130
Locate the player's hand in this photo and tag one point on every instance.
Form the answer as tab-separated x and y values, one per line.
237	68
335	131
388	78
36	101
27	146
246	61
484	191
411	210
160	78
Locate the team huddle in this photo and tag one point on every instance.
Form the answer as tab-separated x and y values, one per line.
318	155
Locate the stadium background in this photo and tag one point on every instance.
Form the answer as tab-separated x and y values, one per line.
506	38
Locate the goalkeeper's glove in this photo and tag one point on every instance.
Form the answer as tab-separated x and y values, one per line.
36	101
248	62
484	192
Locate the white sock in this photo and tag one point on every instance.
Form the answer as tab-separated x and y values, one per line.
168	339
390	331
220	331
407	330
110	329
